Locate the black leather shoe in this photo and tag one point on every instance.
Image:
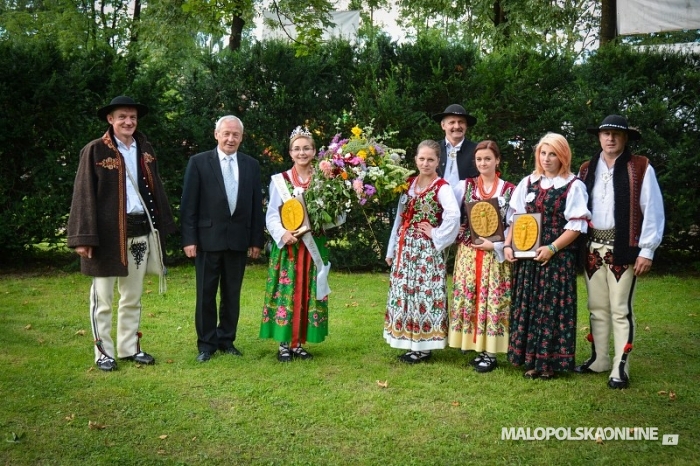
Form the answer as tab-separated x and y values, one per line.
301	353
487	364
106	364
477	359
618	384
583	369
284	355
141	358
416	357
203	356
231	350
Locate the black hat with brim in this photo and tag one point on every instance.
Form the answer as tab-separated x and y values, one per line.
122	101
457	110
617	123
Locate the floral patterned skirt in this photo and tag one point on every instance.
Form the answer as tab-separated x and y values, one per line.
416	309
481	301
291	312
543	314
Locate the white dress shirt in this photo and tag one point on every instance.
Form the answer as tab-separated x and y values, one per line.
451	174
234	162
133	203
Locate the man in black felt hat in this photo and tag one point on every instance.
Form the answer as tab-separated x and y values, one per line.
108	227
627	226
456	152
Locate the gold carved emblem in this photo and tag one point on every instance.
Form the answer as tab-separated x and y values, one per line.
525	232
292	213
484	219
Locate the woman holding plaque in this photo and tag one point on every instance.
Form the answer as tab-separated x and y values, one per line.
540	244
481	292
427	222
296	308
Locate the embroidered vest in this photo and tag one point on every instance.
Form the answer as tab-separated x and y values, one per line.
628	176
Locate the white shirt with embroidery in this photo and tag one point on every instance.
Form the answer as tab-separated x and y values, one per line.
576	212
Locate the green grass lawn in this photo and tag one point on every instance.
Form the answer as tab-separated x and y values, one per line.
56	408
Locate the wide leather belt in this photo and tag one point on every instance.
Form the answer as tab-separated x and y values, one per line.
602	236
137	225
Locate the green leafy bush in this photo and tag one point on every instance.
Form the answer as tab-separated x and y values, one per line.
48	104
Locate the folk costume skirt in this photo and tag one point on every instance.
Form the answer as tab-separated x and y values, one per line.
543	314
416	309
480	309
291	312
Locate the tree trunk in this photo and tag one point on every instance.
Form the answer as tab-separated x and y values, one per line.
136	21
234	40
499	16
500	20
608	21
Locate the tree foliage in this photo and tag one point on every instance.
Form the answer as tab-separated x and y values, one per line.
555	25
515	64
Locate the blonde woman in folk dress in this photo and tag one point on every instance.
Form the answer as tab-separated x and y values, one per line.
543	305
292	313
426	223
481	291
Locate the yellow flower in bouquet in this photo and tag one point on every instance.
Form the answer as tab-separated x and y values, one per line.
353	171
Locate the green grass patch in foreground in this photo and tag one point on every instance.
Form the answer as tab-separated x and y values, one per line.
330	410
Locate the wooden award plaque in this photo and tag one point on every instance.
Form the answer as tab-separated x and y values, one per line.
485	221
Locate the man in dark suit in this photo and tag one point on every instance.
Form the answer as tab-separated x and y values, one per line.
222	223
456	152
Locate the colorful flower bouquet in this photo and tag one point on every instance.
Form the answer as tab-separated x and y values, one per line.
352	172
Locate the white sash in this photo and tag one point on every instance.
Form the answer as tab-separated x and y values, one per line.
322	271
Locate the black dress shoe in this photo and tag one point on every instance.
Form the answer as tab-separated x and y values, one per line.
231	350
416	357
141	358
583	369
618	384
301	353
106	364
487	364
477	359
284	355
203	356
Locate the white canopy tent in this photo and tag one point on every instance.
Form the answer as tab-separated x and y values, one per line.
346	25
647	16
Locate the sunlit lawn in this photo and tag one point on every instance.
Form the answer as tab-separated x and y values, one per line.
55	408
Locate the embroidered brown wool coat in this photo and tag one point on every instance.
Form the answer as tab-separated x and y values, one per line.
98	210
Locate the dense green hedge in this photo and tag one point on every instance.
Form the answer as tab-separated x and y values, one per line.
48	104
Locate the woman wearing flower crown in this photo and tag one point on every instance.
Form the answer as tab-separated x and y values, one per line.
481	291
427	222
296	305
543	307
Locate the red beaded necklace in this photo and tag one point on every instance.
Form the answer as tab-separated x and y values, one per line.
480	187
296	179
